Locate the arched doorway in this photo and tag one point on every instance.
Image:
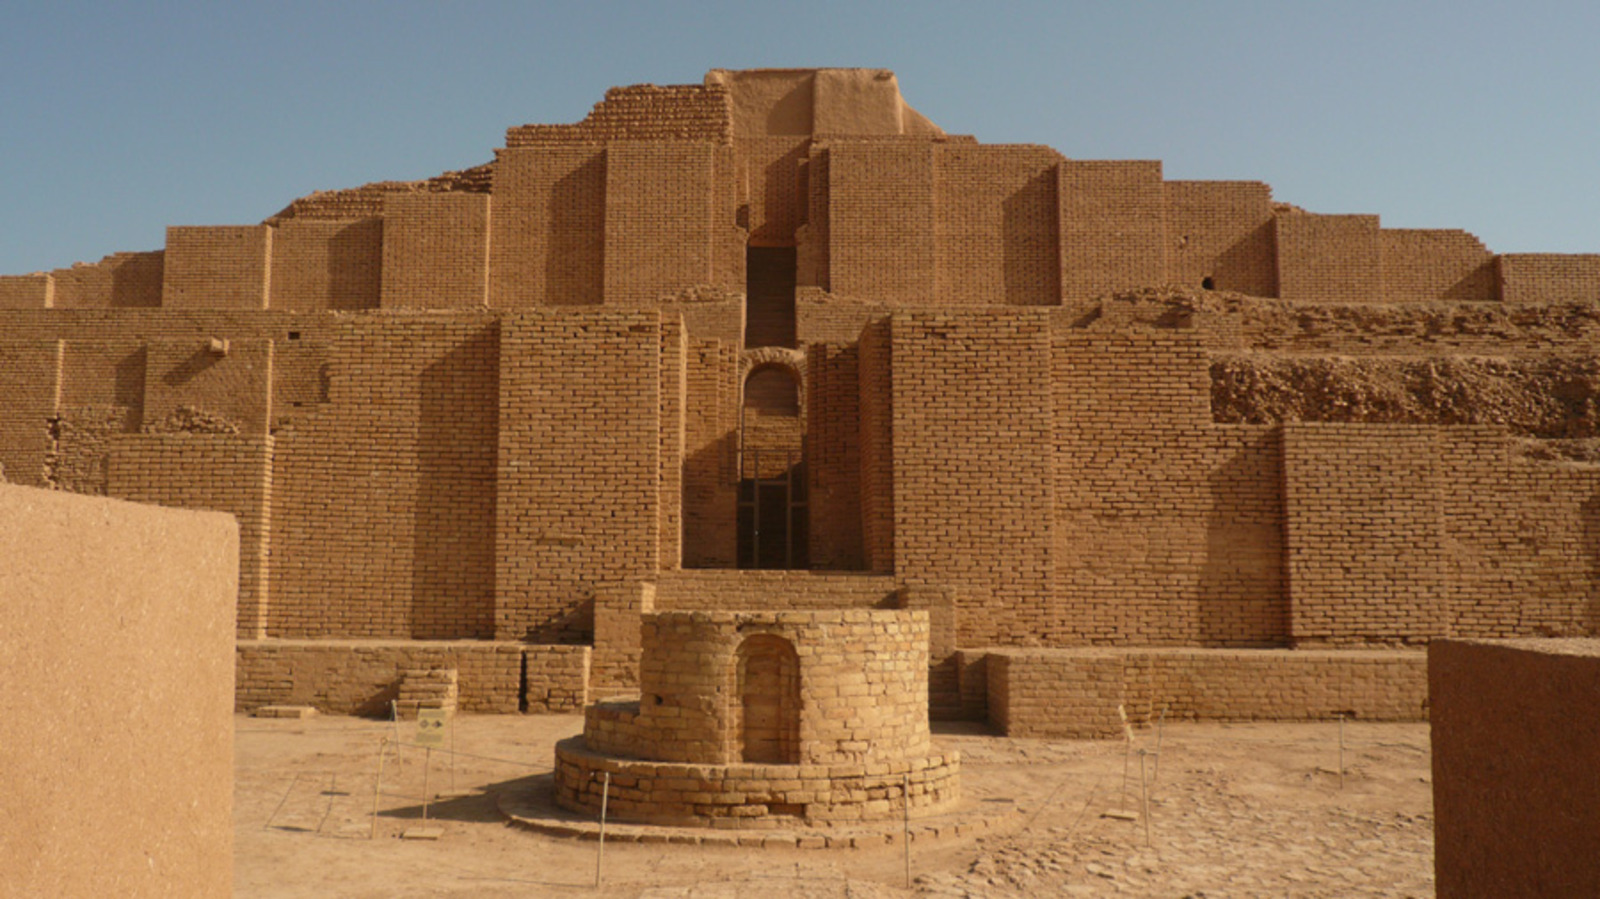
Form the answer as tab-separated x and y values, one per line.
769	701
774	515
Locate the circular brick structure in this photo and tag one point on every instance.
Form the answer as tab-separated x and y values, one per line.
766	719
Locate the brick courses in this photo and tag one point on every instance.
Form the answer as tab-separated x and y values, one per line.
508	402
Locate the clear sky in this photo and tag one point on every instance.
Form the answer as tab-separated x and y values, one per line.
118	119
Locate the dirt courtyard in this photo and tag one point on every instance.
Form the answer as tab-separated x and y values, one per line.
1235	810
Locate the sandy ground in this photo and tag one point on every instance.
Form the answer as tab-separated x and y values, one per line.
1235	810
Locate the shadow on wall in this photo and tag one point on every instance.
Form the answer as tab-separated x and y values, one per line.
574	269
1590	510
128	384
1243	596
355	254
452	578
1031	267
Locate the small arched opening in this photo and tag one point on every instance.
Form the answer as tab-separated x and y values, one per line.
768	673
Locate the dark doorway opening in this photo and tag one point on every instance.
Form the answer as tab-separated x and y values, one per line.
773	513
769	279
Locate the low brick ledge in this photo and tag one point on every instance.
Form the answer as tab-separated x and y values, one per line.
535	811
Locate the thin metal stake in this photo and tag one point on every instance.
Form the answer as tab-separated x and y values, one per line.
427	767
377	788
1155	767
905	794
1144	796
1341	750
600	850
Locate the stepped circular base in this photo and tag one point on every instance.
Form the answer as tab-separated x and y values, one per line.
753	796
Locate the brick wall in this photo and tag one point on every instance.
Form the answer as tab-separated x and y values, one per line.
1075	694
217	267
995	225
1221	230
881	240
385	495
833	457
875	379
578	466
36	291
659	221
771	591
349	677
642	112
1364	526
30	378
710	445
1423	266
972	425
1113	226
326	264
548	221
231	385
1328	258
1167	527
435	251
121	280
771	168
1549	277
217	472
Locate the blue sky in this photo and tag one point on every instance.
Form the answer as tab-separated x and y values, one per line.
121	119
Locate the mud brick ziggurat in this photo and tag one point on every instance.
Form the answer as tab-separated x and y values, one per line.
778	343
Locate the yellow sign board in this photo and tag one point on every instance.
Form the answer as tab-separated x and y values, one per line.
430	726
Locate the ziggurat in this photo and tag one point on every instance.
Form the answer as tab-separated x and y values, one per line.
778	343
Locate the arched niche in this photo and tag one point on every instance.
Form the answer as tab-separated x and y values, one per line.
767	719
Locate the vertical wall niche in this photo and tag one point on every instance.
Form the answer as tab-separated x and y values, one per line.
773	513
769	297
768	675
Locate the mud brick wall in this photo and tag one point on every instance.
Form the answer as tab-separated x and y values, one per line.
821	318
327	264
216	472
673	426
642	112
1521	543
863	682
385	495
973	494
1425	266
356	677
833	457
875	379
435	251
35	291
217	267
1221	230
754	797
1364	532
548	221
813	239
1516	804
555	678
1075	694
995	225
881	240
1549	277
121	280
771	591
234	385
709	474
1167	527
771	168
658	219
578	466
1113	226
1328	258
119	646
30	377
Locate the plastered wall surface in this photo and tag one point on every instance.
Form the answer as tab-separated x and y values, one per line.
1514	794
1065	402
132	794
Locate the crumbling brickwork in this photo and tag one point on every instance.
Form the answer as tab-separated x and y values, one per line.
1052	402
